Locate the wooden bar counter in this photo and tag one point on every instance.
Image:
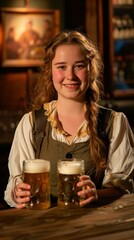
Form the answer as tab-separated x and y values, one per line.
110	219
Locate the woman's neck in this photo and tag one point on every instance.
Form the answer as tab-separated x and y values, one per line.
71	115
70	106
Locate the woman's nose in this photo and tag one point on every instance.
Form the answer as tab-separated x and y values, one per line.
70	74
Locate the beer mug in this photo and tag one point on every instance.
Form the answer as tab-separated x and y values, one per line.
69	171
36	174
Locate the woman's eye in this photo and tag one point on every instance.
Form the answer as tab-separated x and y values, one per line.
80	66
61	67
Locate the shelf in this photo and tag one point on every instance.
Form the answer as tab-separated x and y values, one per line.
124	10
123	7
127	40
123	93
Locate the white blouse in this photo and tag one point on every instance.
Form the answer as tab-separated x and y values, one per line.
120	164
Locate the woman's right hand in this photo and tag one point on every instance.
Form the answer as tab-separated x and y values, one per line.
22	195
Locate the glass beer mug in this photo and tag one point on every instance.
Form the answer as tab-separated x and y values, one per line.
69	171
36	174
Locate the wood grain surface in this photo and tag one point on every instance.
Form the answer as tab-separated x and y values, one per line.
110	219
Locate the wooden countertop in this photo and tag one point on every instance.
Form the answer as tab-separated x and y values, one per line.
103	220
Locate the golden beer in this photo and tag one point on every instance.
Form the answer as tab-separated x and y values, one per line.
36	174
69	172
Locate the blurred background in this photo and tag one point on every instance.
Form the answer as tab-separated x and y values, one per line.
25	25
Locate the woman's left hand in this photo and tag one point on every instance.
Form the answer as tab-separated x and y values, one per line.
88	193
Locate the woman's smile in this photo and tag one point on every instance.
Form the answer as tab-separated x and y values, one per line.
71	85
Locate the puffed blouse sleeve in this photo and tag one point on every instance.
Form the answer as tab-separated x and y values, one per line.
119	172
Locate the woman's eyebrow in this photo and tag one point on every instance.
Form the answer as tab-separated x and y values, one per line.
80	61
57	63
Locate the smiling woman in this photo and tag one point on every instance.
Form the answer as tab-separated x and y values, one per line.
74	125
69	72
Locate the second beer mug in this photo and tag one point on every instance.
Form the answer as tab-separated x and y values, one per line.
36	174
69	171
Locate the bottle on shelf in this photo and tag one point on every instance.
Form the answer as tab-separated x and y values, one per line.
123	27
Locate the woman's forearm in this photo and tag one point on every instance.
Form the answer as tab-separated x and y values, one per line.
109	192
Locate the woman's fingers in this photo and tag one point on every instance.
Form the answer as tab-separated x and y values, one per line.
22	194
88	192
87	201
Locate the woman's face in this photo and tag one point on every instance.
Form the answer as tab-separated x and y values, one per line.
70	72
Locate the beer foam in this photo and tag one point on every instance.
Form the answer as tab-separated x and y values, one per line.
70	168
36	166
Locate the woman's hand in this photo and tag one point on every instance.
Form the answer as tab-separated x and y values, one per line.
88	193
22	194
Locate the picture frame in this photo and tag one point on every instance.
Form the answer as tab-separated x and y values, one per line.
24	32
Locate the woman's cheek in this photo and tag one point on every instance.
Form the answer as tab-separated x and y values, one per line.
57	76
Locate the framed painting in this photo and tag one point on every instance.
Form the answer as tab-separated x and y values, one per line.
24	32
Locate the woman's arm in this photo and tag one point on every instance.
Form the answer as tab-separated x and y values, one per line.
119	173
109	192
21	149
120	164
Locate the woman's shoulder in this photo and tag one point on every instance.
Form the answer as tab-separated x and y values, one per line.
24	127
26	120
111	113
111	120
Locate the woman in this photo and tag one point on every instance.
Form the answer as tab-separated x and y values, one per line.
69	91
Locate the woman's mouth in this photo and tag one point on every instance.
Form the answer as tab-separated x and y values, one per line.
72	85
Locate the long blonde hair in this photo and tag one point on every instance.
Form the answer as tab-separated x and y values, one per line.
45	91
